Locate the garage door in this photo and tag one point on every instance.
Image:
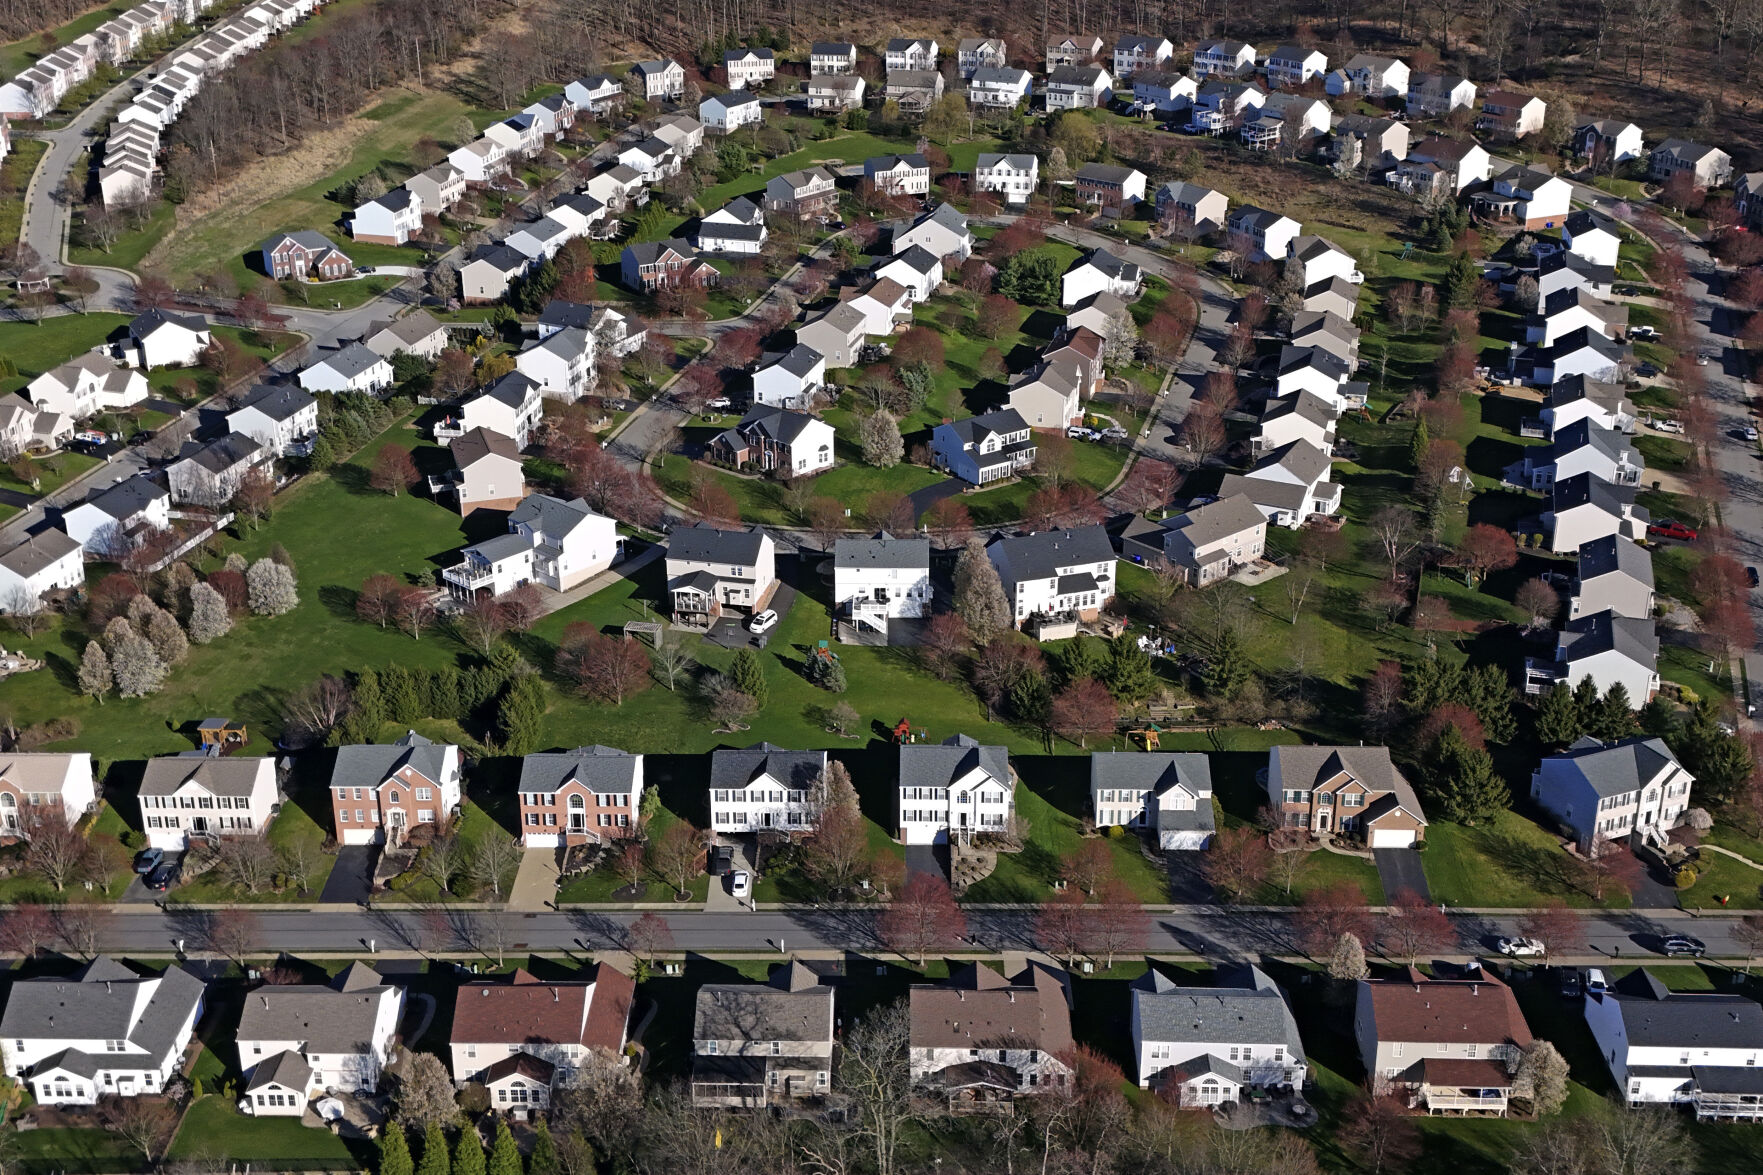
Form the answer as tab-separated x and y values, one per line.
1392	838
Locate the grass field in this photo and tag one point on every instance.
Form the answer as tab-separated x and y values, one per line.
18	56
21	163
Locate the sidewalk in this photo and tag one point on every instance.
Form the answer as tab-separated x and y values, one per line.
557	601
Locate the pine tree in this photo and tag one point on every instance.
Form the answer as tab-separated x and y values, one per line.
1417	446
434	1152
1658	720
209	619
505	1155
403	706
979	594
1461	281
1585	702
1465	787
543	1160
95	675
1614	718
521	714
749	677
1558	721
1130	676
468	1152
395	1152
1081	657
442	693
368	699
1489	693
1228	670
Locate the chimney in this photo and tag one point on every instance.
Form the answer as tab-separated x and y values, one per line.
1013	997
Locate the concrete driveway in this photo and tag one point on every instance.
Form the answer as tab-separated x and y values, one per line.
1399	870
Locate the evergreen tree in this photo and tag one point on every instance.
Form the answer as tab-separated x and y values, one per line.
748	674
1031	698
1081	657
1461	281
1558	721
95	674
505	1156
1465	787
368	699
1614	718
1417	445
543	1160
979	594
403	705
1489	693
468	1152
1585	702
1720	762
434	1152
1228	670
521	714
395	1152
323	454
1658	720
1130	676
441	693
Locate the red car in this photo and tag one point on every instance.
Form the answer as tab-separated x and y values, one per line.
1665	528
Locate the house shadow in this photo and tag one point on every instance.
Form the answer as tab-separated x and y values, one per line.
681	782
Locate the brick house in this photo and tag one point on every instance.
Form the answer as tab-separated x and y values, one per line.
652	265
305	254
586	796
380	792
1352	790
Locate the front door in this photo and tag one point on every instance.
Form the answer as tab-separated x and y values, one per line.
199	824
1322	822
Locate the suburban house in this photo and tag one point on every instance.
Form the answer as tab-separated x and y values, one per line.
1609	141
735	229
660	79
1592	236
1097	272
985	448
1451	1043
1229	58
883	305
976	53
42	787
353	368
1287	484
1075	49
1382	142
379	792
1584	447
1583	350
1212	1045
725	113
836	91
48	561
1583	508
489	272
1633	787
1048	396
1700	1049
1300	116
111	516
831	57
138	1026
618	187
280	417
438	188
1211	542
978	1039
1315	259
1440	166
1434	95
914	267
941	232
392	219
512	406
1357	793
1606	649
748	67
1328	331
802	194
754	1044
550	542
910	53
777	441
1163	794
765	788
898	175
836	334
304	255
1013	177
1295	65
1334	296
954	789
879	580
1219	105
1567	310
1615	575
187	798
1565	270
790	380
479	161
915	90
1708	167
710	570
1162	91
86	386
648	266
1261	235
653	158
590	795
1055	573
594	94
416	334
541	239
490	473
298	1041
682	132
1191	210
1369	76
999	87
209	475
1079	87
1100	313
521	1038
1131	54
561	363
1510	113
163	338
1527	195
1114	191
1080	348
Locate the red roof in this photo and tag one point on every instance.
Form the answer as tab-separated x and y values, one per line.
1446	1011
526	1010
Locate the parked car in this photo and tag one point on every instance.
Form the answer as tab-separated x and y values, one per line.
1682	944
722	403
364	269
722	857
1078	432
1570	983
762	621
1558	578
1594	982
1667	528
1643	332
741	885
1702	360
1675	426
147	860
163	877
1646	369
1750	432
1521	948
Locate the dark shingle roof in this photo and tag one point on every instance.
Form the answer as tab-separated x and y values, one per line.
884	550
1612	554
1246	1008
735	769
940	764
277	401
1039	556
1602	632
1618	768
597	768
703	543
1657	1018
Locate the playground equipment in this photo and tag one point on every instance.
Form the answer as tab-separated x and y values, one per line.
1150	736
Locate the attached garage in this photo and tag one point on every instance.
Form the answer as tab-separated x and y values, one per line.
1393	838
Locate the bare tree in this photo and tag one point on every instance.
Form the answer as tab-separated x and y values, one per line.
1398	533
146	1124
82	928
57	852
875	1074
497	854
246	862
233	931
672	661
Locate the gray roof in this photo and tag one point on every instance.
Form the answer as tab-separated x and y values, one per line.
1182	192
1612	554
499	257
1658	1018
306	237
890	162
287	1069
1602	632
1306	404
1618	768
649	67
1105	173
42	550
1082	76
1580	387
1253	1013
1361	125
1217	520
649	252
917	258
128	497
397	199
351	361
236	776
144	325
1587	433
1584	220
1016	162
999	75
832	49
1305	766
597	768
104	1002
552	516
1153	771
1582	488
973	429
1300	458
735	769
277	401
500	547
222	454
1296	358
1602	274
1039	556
901	44
800	361
322	1018
513	389
940	764
738	54
732	100
780	424
884	550
369	765
1567	297
560	313
1684	149
703	543
1109	264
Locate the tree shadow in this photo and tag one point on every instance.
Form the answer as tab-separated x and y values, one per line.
339	601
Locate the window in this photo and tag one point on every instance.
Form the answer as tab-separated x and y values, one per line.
1396	1050
1470	1050
777	1048
424	794
392	796
343	816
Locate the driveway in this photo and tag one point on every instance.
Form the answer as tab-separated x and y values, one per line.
1187	877
351	879
1399	870
731	631
535	882
931	859
924	498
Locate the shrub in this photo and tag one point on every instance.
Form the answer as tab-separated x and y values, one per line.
1686	877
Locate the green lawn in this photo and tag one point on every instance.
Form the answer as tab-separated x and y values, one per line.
79	1150
761	499
214	1130
1663	453
131	246
36	347
15	177
51	472
1051	794
1509	861
1689	668
845	147
295	824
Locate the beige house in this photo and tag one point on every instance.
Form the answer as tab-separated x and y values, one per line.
1212	541
1449	1043
37	787
490	473
1355	791
755	1044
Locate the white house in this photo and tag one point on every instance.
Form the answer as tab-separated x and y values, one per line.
161	338
281	417
1708	167
1260	234
1131	54
1440	165
354	368
1288	484
1574	308
1634	787
748	67
1609	140
764	788
1584	508
521	1038
881	579
1301	117
954	789
391	219
1013	177
1163	91
561	363
86	386
1566	270
1165	794
711	570
1615	575
831	58
550	542
725	113
1329	331
48	561
1369	76
999	87
916	268
1055	572
1291	66
1317	259
1079	87
910	53
1695	1049
381	791
1219	105
209	475
653	158
898	175
594	94
737	229
1592	236
836	91
1100	272
480	160
541	239
186	798
1317	370
1303	417
1434	95
312	1038
1382	142
512	406
984	448
1606	648
43	787
660	79
1231	58
617	187
139	1027
1531	197
1211	1045
791	380
1584	447
882	305
941	232
1581	351
778	441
